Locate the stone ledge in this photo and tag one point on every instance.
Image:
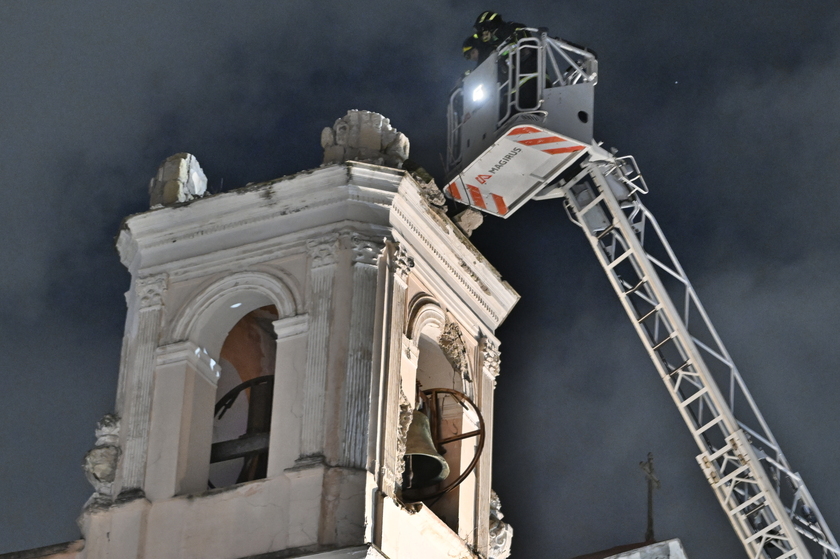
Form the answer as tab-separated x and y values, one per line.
58	550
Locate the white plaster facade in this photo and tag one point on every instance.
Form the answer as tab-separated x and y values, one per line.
365	277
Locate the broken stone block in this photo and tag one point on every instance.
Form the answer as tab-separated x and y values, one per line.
468	220
100	463
364	136
179	179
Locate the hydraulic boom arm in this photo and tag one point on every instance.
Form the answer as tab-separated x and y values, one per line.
766	501
505	150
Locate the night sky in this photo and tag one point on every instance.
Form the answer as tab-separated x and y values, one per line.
730	108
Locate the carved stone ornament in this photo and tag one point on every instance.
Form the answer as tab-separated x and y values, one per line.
364	136
150	290
491	356
100	463
406	410
323	251
501	533
365	251
452	343
403	263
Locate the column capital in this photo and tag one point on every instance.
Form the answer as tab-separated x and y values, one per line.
323	251
150	290
291	326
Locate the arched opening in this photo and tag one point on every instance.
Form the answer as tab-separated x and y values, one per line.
242	415
442	364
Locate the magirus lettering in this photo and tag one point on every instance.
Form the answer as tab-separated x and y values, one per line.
504	160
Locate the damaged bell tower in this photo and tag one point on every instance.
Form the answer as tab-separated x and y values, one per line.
307	369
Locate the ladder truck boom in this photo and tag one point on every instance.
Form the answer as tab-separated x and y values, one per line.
504	150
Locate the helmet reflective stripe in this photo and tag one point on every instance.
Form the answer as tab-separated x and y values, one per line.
486	18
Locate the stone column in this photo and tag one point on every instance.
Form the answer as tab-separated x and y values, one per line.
140	365
356	412
323	253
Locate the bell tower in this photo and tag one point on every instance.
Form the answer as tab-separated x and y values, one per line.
280	341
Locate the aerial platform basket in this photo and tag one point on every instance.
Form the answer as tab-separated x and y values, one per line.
518	120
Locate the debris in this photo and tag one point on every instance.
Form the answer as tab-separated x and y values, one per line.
179	179
468	220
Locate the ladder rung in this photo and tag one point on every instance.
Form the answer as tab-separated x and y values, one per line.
768	528
652	312
747	503
720	452
709	425
605	232
731	475
591	204
636	287
665	341
622	257
678	369
690	399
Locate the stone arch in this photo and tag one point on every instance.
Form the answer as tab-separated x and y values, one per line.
431	333
424	313
207	318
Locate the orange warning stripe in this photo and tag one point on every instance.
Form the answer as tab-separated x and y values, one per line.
476	196
453	191
524	130
563	150
543	140
500	204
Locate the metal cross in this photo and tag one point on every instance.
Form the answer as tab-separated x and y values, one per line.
652	483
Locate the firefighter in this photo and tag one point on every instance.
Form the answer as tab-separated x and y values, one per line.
490	32
472	48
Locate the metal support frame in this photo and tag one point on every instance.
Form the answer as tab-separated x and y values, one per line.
766	501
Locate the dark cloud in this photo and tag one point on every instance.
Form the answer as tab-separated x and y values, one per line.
729	107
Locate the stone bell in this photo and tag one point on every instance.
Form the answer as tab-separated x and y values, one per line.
424	466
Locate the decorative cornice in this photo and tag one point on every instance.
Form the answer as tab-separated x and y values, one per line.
474	276
446	263
328	192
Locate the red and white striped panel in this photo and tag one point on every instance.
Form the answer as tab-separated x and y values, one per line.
548	142
474	196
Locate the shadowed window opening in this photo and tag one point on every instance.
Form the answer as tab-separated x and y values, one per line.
242	416
451	419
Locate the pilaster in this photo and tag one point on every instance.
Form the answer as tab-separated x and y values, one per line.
356	402
490	360
140	371
323	254
400	267
180	431
290	366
